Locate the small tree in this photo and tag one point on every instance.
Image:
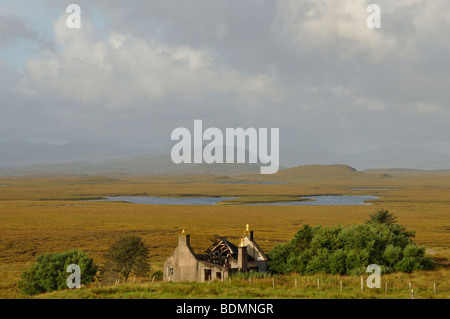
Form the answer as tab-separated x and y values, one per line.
127	255
382	216
50	272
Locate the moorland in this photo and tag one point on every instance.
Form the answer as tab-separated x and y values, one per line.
51	213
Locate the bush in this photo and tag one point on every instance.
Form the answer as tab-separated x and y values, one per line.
127	256
392	254
50	272
158	275
338	262
414	251
408	264
349	250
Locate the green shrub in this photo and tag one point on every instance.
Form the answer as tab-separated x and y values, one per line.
338	262
356	258
392	254
50	272
408	264
279	257
414	251
319	262
349	250
158	275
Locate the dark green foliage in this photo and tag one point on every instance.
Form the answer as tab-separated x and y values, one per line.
349	250
157	275
382	216
408	264
392	254
338	261
50	272
128	255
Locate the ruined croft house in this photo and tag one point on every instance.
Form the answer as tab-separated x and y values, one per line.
218	262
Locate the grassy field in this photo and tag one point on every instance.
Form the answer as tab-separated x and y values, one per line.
53	213
280	287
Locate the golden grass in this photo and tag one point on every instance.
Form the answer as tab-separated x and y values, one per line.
49	214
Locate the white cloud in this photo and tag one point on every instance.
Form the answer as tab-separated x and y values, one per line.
340	26
429	109
123	68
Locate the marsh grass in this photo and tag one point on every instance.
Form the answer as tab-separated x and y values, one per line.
52	213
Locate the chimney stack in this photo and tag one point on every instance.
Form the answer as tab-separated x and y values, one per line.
184	239
242	256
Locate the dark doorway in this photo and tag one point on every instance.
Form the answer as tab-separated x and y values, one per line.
207	274
219	275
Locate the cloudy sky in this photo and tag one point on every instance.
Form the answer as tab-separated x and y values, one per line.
136	70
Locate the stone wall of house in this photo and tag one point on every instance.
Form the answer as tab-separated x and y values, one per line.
183	266
259	259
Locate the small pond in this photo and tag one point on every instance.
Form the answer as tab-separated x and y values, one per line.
328	200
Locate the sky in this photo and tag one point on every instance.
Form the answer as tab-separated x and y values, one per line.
136	70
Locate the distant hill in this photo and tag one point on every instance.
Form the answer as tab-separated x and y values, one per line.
385	157
154	165
316	173
406	171
18	157
17	153
319	171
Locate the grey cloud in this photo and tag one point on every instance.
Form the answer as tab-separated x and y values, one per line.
316	90
13	27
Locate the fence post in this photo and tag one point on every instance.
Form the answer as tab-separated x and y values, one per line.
318	284
341	285
434	287
362	283
385	286
295	283
273	283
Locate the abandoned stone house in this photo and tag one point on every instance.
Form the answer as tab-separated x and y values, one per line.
218	262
